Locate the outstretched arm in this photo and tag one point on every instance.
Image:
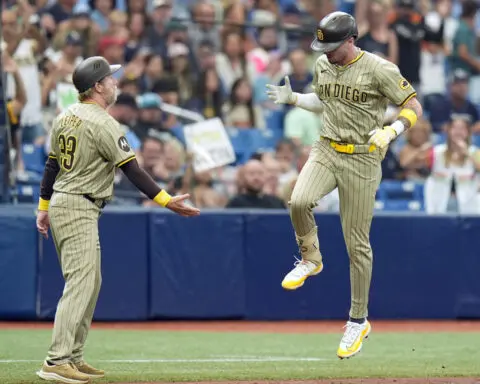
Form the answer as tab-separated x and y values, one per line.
285	95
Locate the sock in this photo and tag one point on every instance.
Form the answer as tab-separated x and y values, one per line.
358	321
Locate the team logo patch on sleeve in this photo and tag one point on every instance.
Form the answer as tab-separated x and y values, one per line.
320	34
123	144
404	84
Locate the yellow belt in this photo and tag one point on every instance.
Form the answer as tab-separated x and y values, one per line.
351	148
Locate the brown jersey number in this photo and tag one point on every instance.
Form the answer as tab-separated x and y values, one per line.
68	146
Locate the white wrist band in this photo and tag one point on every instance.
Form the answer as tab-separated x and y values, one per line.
398	127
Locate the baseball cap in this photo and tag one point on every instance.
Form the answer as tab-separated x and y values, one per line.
81	9
459	75
165	84
149	100
108	41
161	3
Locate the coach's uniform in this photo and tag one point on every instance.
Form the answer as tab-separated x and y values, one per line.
355	99
87	144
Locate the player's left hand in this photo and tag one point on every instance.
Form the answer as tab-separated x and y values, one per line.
177	205
381	138
43	223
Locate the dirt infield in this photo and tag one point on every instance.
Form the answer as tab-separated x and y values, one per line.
266	327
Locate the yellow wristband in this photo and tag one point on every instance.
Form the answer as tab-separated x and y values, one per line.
410	115
162	198
43	204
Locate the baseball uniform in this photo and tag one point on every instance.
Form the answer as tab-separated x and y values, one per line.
355	98
88	144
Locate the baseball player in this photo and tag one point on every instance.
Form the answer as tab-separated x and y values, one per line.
353	88
87	145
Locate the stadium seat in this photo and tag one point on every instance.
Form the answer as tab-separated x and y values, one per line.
28	193
33	157
395	190
242	142
400	205
476	140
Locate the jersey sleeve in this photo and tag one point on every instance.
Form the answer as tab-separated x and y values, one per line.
392	84
113	145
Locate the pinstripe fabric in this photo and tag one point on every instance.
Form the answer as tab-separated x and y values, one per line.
87	143
96	136
74	226
355	97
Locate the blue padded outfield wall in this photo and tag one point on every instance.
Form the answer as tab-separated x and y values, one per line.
229	265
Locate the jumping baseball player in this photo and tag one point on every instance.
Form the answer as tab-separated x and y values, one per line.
353	88
87	145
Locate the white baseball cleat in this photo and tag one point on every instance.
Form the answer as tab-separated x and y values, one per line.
352	339
297	276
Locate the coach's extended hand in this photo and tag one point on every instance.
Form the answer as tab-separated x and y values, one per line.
281	94
381	138
177	205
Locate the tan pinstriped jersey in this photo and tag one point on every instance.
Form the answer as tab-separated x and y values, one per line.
356	95
88	143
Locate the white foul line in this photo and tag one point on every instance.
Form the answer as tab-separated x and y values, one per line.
222	360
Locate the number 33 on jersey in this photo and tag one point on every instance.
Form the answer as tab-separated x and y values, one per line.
88	145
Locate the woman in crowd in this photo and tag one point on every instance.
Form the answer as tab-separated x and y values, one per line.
454	167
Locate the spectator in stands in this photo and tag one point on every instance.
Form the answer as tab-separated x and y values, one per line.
129	86
231	63
113	49
150	116
157	31
204	27
234	19
56	13
206	55
273	171
80	22
101	10
302	126
300	75
154	71
117	25
285	154
15	106
453	183
137	26
62	66
208	95
125	111
433	56
272	74
24	43
202	187
457	104
376	36
178	55
464	55
409	28
253	182
168	90
415	156
137	6
240	112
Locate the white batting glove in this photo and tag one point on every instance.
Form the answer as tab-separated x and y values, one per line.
381	138
281	94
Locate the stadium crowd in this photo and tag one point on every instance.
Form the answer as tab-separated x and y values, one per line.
214	58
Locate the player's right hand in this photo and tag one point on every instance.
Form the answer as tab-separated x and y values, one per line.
281	94
177	205
43	223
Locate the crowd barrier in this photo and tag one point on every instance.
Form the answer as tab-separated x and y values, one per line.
229	265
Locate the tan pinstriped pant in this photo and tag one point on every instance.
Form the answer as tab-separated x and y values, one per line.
74	227
357	177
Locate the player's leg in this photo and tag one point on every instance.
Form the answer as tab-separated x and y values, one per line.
357	186
76	231
84	327
316	180
67	223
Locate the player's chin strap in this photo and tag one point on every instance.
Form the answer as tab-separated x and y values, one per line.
407	114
